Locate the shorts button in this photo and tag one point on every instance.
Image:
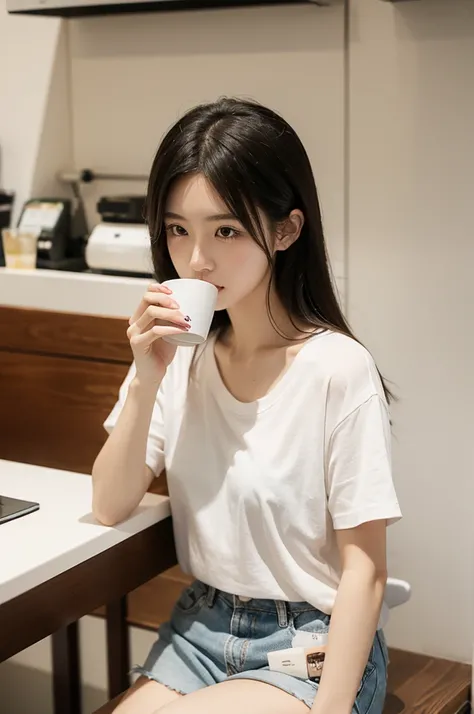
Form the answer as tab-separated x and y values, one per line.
244	599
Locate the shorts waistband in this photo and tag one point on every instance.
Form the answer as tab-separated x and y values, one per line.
284	609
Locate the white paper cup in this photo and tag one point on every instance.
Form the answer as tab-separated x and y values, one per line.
197	300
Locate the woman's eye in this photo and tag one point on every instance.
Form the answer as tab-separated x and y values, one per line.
227	232
176	230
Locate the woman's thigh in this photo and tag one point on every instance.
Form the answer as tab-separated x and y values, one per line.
235	697
146	697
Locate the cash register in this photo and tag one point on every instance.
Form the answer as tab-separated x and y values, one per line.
61	232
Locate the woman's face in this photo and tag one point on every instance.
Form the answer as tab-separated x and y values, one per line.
206	242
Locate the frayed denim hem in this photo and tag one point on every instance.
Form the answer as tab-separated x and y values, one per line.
149	675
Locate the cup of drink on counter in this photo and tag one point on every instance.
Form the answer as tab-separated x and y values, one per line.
197	301
20	248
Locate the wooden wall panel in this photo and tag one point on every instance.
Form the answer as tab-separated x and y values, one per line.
59	377
52	408
41	331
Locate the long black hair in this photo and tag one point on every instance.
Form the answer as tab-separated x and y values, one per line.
254	160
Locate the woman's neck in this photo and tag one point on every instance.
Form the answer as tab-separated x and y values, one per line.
251	329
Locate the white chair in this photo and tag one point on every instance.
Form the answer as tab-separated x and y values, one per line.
397	592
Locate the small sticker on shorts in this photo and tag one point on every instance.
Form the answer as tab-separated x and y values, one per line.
309	639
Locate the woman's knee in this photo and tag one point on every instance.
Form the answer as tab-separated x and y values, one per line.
145	697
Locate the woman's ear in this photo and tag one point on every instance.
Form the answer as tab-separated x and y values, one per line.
289	230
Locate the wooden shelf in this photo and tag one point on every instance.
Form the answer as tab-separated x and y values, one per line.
67	10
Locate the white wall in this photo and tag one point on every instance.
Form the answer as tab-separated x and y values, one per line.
411	291
133	76
35	127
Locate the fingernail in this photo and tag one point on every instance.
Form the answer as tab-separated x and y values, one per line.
187	318
174	304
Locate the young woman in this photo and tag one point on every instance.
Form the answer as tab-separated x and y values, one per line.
275	435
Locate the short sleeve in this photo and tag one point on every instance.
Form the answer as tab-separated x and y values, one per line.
359	473
155	445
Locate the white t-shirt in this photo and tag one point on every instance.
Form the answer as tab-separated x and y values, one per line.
257	489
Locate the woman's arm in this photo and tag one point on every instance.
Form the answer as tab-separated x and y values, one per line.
120	477
355	616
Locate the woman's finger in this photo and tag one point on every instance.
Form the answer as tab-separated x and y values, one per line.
145	339
163	314
160	287
157	295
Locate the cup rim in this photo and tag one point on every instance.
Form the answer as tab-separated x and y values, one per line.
189	280
18	232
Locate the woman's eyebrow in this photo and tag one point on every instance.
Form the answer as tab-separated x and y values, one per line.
216	217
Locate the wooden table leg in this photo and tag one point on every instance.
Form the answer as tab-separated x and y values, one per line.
118	647
66	670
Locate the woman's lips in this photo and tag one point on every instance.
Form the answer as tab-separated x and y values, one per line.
219	287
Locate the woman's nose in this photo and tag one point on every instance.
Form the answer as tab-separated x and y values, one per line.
200	261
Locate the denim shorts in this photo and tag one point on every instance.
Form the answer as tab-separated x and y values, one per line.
214	636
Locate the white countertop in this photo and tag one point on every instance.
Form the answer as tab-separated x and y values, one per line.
62	533
82	293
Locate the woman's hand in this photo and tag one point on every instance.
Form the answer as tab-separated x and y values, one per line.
157	316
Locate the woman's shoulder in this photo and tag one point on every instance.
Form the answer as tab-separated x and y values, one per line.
346	366
342	352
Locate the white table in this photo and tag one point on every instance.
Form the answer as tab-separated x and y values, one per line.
58	564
